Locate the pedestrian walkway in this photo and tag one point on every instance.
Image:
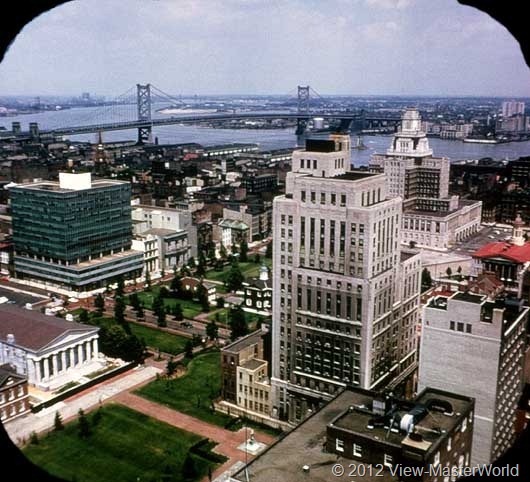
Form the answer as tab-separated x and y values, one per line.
20	429
227	440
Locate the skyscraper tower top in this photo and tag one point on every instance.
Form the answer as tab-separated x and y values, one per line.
410	140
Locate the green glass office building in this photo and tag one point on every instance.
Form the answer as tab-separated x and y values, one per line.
75	234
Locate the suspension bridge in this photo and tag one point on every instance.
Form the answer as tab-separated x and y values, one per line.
135	109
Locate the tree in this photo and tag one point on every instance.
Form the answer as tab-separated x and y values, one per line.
412	244
212	330
119	310
58	422
222	252
176	285
191	262
83	425
243	251
202	295
189	468
426	279
268	251
257	258
459	271
234	278
161	317
158	304
134	300
177	312
188	349
147	284
220	302
140	312
33	438
449	271
99	303
237	323
83	316
120	288
171	367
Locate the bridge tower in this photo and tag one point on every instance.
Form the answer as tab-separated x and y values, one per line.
303	109
143	98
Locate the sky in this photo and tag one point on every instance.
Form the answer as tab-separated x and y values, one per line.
348	47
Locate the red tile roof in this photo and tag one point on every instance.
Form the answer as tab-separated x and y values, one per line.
503	249
34	330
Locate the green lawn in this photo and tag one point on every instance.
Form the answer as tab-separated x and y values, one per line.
190	308
249	270
166	342
191	393
125	446
251	318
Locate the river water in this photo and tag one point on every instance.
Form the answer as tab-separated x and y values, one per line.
267	139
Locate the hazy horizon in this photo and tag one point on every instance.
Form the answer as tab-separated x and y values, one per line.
354	48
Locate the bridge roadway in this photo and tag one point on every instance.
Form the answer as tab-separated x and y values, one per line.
192	119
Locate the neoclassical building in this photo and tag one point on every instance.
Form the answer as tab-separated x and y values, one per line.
48	350
431	217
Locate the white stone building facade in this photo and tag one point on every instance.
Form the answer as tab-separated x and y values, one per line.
345	301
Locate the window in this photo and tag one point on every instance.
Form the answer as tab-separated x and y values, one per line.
302	194
357	450
387	460
464	425
301	163
460	326
333	199
343	199
452	325
339	445
436	459
468	327
449	444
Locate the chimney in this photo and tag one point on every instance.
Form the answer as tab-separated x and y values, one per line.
10	338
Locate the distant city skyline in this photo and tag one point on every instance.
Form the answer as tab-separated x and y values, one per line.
255	47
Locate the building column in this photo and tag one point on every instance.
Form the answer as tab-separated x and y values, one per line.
96	350
54	361
38	375
88	350
46	368
63	360
72	359
80	354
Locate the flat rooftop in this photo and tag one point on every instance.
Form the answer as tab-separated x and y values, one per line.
432	426
304	445
468	297
253	364
356	175
244	342
51	186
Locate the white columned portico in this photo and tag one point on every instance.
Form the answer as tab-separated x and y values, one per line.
96	350
80	354
72	358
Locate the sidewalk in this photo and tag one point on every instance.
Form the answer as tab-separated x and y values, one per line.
21	428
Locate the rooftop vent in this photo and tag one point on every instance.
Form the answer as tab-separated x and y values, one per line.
11	338
305	469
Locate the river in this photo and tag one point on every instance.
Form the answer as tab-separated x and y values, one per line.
267	139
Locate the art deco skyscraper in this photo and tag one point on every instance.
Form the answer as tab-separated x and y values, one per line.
345	296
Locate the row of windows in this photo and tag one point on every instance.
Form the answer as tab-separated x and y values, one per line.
459	326
323	198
